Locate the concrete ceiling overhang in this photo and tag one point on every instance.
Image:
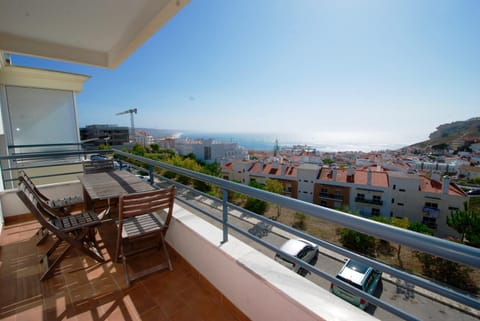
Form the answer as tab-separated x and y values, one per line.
94	32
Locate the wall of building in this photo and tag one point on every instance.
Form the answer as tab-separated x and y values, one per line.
306	178
330	195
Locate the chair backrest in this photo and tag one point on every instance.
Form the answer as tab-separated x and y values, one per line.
98	165
23	177
35	204
147	202
40	201
58	207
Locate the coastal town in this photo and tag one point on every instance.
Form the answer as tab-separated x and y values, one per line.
424	185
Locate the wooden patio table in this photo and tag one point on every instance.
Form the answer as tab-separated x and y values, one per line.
109	185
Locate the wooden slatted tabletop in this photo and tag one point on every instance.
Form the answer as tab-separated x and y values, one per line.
110	185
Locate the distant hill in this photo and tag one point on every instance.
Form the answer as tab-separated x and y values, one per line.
454	134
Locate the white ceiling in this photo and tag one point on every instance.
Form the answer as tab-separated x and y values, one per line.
95	32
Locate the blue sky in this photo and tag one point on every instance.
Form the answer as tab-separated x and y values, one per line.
330	71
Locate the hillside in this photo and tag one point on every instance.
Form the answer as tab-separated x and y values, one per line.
454	134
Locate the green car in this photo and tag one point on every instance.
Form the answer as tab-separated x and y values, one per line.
360	276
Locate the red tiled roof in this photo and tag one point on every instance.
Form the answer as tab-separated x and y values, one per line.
432	186
360	177
470	168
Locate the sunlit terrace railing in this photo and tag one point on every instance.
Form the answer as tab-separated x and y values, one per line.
449	250
44	156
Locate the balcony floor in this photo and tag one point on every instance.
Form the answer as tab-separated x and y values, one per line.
83	289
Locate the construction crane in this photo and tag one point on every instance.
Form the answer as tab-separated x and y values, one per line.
132	125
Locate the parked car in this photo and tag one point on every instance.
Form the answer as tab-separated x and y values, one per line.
360	276
98	157
474	192
301	249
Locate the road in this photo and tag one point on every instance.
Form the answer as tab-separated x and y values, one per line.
393	291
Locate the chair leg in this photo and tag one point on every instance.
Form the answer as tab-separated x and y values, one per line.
167	257
51	267
125	267
42	234
51	249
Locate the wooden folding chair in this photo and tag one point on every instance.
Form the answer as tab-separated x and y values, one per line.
141	222
98	165
78	230
59	207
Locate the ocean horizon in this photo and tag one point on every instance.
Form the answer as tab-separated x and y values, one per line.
266	141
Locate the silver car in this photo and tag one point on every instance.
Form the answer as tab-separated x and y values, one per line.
301	249
360	276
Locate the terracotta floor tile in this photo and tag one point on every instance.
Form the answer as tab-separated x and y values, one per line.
81	289
155	314
140	298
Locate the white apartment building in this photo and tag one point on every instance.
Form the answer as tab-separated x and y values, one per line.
469	172
370	191
364	191
425	200
238	170
210	150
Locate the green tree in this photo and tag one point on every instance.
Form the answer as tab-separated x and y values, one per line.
402	223
420	228
383	246
354	240
256	206
467	223
448	272
328	161
358	242
299	222
138	150
274	186
256	185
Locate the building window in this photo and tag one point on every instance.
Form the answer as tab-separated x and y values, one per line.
375	212
360	196
377	198
402	190
393	200
323	190
207	152
323	203
431	222
400	204
452	208
394	186
431	205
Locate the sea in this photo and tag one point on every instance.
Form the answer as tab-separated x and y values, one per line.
266	142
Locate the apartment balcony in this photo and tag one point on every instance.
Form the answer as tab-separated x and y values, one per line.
431	211
331	196
368	201
217	273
